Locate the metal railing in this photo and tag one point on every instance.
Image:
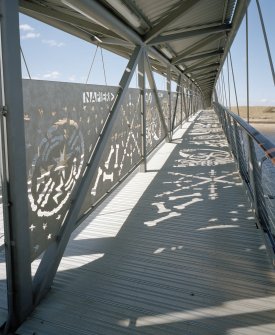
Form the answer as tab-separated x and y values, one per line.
255	156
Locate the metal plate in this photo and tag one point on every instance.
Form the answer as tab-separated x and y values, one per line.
62	124
154	130
122	153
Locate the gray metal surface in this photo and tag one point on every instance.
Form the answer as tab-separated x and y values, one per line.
188	259
62	125
154	130
122	152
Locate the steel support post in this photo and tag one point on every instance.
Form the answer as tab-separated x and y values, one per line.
231	135
236	138
181	103
176	104
152	84
142	87
185	104
14	180
191	102
188	103
257	188
252	174
52	257
168	88
225	126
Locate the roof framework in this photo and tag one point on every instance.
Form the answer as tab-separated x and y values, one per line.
175	32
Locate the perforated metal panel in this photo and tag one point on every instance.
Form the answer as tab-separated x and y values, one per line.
62	124
122	153
154	130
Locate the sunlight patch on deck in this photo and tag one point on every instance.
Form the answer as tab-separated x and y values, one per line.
228	308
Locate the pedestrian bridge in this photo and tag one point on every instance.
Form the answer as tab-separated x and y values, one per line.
171	251
174	250
135	210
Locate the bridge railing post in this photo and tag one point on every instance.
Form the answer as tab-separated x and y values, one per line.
256	185
142	87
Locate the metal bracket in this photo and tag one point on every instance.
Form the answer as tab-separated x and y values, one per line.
4	110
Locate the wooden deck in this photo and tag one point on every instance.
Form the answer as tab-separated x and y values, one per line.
174	251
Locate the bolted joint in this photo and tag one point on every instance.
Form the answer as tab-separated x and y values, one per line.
4	110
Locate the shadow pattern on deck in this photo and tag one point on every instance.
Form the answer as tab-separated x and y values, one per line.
188	260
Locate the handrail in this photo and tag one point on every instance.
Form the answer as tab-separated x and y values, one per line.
267	146
259	180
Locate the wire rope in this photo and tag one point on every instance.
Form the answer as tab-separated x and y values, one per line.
234	83
91	65
103	64
26	65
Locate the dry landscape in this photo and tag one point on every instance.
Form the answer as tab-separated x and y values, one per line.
261	114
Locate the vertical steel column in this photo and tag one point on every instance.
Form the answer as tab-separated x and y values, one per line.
251	173
17	240
181	102
176	104
142	87
168	87
225	126
192	99
235	126
231	135
184	101
256	186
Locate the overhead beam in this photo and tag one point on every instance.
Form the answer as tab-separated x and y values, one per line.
203	80
197	46
207	84
184	8
66	27
202	75
203	55
190	33
199	68
200	62
93	10
208	81
29	8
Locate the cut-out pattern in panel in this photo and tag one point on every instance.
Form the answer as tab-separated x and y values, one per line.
62	124
122	153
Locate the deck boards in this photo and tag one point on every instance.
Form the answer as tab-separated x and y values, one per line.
175	251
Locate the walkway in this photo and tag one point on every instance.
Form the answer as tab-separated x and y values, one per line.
183	257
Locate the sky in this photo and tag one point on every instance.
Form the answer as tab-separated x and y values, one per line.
54	55
261	86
